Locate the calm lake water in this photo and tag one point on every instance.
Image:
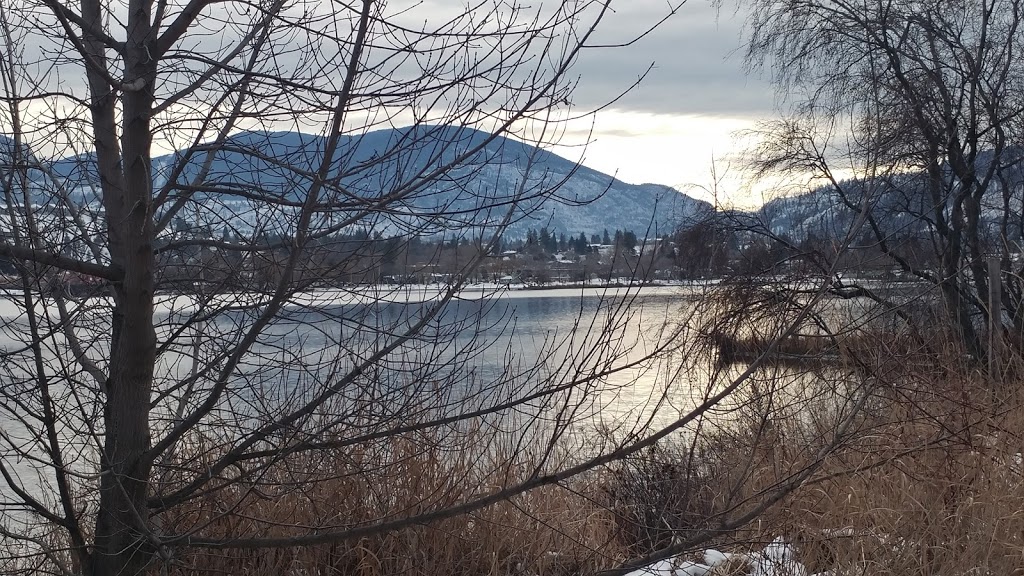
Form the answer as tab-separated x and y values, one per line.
483	349
610	360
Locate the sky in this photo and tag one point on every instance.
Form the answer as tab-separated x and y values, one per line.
685	120
681	123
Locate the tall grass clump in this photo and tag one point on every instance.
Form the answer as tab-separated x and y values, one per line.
553	530
929	477
932	486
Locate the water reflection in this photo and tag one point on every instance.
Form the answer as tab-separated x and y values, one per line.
485	350
584	359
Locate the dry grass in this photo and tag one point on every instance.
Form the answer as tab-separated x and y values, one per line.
549	531
659	495
931	481
928	479
556	537
917	505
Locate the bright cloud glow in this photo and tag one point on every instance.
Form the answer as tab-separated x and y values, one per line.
699	155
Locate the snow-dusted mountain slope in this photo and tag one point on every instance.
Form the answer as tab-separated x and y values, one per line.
436	178
901	205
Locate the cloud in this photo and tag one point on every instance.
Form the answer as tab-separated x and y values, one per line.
677	150
696	56
697	64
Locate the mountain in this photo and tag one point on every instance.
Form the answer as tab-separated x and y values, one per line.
490	175
900	204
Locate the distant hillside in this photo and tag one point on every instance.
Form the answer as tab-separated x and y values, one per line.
477	192
901	205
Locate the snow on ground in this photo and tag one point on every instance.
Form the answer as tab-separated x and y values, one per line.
183	303
776	559
415	293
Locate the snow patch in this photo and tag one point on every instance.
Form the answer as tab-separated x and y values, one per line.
776	559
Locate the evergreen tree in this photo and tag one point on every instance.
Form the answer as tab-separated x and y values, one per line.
605	239
580	246
629	239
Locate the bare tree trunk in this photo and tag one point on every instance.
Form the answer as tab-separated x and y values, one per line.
995	320
121	545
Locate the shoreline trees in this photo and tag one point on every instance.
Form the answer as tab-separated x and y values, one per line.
911	114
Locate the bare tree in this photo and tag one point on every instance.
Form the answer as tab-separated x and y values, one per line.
202	204
191	191
911	115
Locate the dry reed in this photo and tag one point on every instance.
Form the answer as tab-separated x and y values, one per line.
548	531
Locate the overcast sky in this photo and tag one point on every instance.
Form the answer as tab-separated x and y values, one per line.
685	113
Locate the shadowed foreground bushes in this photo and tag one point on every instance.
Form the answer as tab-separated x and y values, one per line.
660	495
927	479
551	530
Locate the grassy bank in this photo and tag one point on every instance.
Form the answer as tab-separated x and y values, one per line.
891	456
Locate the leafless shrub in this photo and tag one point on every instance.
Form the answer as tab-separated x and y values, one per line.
660	495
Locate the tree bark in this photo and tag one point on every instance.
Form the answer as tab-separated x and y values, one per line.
122	546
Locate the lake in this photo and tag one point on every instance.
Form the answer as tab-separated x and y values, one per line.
485	349
576	365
